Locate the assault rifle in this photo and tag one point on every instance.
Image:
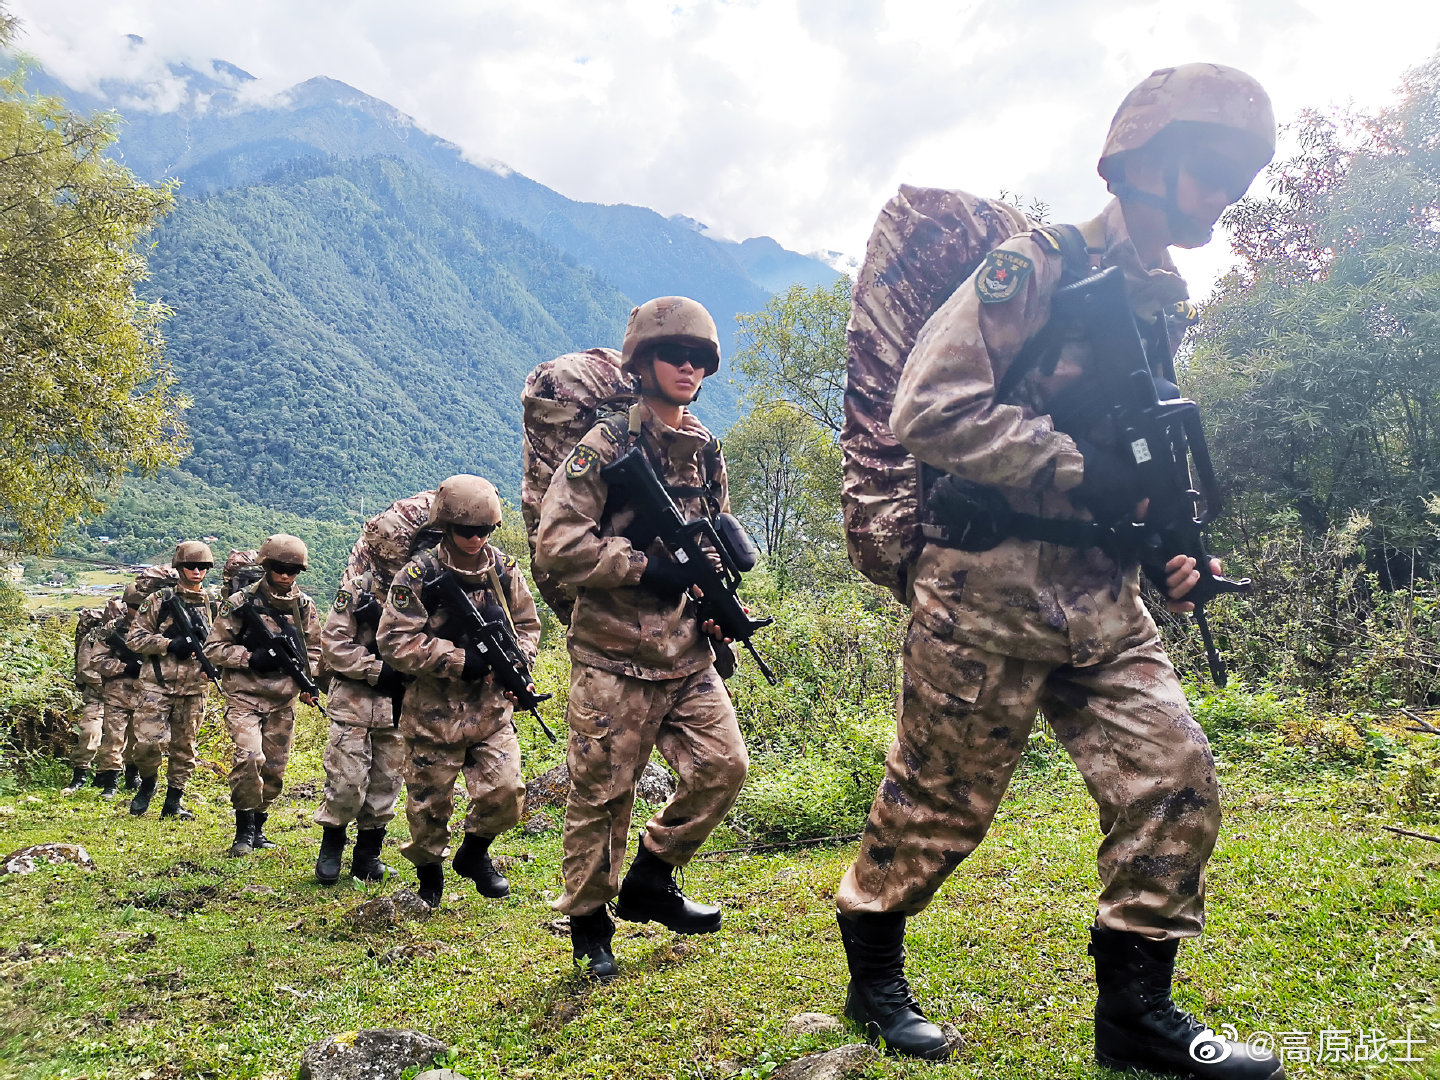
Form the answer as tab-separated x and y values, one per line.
691	544
280	646
494	639
192	635
126	655
1164	439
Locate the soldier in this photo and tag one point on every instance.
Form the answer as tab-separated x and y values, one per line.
90	723
1035	624
172	684
454	719
120	670
242	568
366	753
260	695
642	668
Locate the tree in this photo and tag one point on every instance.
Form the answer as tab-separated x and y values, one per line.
1319	360
784	471
85	393
793	350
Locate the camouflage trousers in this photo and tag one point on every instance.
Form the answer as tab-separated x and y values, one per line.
362	776
262	740
86	728
117	740
492	782
614	723
965	716
167	724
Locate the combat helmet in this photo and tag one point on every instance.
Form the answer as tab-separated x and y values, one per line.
192	551
1195	97
670	318
133	597
284	548
465	500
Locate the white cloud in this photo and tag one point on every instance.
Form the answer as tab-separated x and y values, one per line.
792	118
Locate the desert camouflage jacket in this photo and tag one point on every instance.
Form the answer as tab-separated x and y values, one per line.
415	638
581	541
347	645
148	637
229	650
120	688
1023	598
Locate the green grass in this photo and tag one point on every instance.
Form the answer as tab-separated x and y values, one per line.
172	960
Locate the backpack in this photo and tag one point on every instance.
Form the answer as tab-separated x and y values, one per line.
391	538
925	244
562	400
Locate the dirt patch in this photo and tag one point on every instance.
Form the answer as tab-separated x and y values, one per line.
185	868
175	901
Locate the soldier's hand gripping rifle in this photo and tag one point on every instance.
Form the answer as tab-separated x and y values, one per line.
126	655
495	641
1164	439
280	647
692	544
193	636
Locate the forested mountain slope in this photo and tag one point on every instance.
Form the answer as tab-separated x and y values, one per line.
348	329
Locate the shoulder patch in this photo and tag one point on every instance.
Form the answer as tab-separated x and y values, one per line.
415	571
227	605
402	598
342	600
582	459
1001	276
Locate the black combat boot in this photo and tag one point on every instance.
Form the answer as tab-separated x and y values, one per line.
143	794
590	937
878	999
261	840
649	893
77	780
244	834
365	862
172	807
132	777
432	883
1137	1026
99	781
108	781
472	860
332	850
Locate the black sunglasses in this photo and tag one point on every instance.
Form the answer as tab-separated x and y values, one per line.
206	566
470	532
676	355
1218	173
288	569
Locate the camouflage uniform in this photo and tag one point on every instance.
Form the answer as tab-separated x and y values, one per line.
171	692
260	709
365	752
85	731
996	635
451	726
121	692
642	673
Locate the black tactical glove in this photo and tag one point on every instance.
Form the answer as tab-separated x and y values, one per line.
477	665
132	669
180	648
666	579
1110	488
263	662
389	681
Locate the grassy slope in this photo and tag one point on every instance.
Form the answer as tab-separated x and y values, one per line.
1315	922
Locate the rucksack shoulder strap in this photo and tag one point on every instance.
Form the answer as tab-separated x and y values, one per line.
1042	350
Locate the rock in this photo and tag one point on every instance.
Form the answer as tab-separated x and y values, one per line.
656	784
537	823
28	859
384	912
370	1054
812	1023
850	1060
258	890
953	1037
552	789
441	1074
559	927
507	862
